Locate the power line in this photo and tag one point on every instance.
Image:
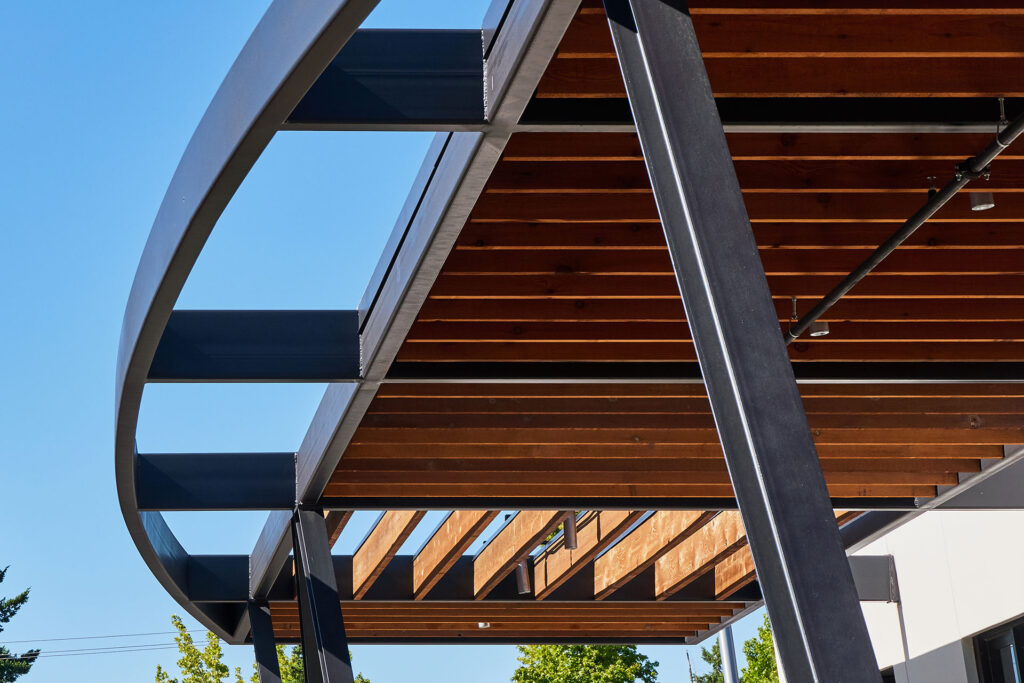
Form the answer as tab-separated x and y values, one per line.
117	635
148	648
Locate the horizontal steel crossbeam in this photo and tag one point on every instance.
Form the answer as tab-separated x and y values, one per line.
255	346
215	481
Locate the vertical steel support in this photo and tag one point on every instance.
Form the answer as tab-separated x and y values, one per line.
267	667
324	645
727	649
800	560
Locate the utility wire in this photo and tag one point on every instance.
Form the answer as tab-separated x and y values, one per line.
117	635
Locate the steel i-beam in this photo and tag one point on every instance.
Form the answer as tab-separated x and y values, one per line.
267	668
800	560
324	645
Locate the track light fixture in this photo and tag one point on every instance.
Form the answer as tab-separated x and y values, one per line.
982	201
819	328
522	578
569	532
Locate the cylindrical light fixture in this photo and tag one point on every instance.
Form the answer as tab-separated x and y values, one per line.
819	328
982	201
569	532
522	578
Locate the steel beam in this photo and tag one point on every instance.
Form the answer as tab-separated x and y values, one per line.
324	645
786	114
803	570
834	372
398	80
267	668
258	346
215	481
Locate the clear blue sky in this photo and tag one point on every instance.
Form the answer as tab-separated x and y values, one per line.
100	99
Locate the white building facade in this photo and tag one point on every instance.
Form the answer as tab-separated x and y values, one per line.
960	618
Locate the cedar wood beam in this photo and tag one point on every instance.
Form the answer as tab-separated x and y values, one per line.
447	545
511	545
380	547
596	530
658	534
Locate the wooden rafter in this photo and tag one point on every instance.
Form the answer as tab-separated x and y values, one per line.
596	530
658	534
510	546
447	544
380	546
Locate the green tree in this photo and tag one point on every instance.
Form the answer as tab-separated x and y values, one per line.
199	666
713	658
583	664
760	654
205	666
11	665
290	663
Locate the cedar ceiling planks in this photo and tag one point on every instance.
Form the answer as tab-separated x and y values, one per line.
563	259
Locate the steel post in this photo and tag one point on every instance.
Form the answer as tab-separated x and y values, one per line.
727	648
267	668
800	560
324	645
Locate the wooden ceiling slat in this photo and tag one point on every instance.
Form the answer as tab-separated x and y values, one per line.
336	521
593	351
497	491
511	545
448	543
645	331
698	554
569	146
832	77
874	286
582	453
485	391
734	572
825	35
828	175
784	207
380	547
837	262
680	467
696	405
596	530
638	550
769	236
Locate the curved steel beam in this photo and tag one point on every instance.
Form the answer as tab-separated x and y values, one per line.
288	50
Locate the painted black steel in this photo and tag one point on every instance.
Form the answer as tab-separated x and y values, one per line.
324	645
630	372
970	169
875	576
215	481
801	562
809	113
391	79
258	346
267	668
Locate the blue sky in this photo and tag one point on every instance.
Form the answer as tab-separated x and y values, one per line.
100	100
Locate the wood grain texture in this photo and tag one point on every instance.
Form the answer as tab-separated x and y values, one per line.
380	547
444	548
511	545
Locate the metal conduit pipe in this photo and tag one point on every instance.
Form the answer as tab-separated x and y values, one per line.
967	171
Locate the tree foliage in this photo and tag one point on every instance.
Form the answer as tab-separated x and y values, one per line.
583	664
200	666
713	658
760	655
11	665
205	665
290	663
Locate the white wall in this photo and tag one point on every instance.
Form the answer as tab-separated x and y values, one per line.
959	573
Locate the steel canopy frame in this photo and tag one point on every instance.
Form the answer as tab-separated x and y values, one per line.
800	560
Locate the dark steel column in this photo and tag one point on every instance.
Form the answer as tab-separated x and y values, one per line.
801	564
267	667
324	645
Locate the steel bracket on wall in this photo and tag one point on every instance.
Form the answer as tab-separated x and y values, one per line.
800	560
